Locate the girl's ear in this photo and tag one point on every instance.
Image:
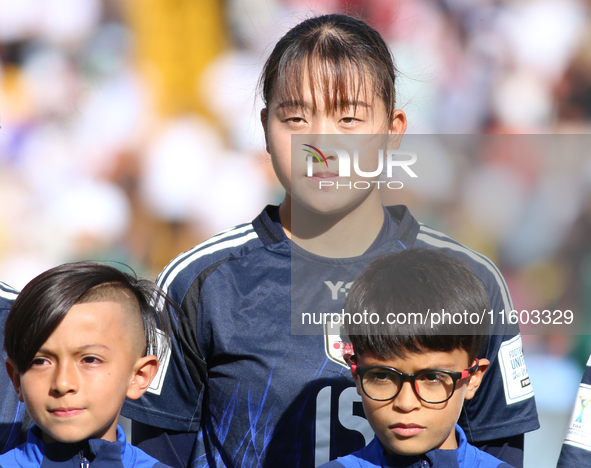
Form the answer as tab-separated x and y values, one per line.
264	116
144	372
476	378
15	376
398	126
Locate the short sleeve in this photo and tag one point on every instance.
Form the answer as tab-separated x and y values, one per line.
174	399
504	404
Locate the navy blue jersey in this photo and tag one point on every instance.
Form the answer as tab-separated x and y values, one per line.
12	411
259	395
576	450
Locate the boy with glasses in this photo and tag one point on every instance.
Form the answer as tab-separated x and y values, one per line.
414	369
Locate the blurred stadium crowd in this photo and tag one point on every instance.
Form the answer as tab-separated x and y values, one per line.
129	130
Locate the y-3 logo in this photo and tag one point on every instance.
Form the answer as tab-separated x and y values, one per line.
340	287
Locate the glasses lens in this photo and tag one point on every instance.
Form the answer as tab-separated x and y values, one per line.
380	384
434	386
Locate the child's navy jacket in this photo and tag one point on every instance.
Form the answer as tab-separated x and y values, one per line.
92	453
465	456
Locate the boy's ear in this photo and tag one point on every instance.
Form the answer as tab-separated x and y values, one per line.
144	372
353	360
476	378
15	376
264	116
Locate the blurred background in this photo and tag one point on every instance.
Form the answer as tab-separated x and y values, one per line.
129	130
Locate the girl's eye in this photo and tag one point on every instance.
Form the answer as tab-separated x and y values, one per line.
295	120
350	120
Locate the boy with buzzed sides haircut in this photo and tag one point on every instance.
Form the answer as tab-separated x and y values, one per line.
80	338
415	372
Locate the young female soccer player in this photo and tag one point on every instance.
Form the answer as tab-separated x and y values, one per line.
80	339
254	393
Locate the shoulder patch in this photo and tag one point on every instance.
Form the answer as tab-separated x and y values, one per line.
516	381
156	385
578	433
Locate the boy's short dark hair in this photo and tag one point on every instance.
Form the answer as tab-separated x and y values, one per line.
45	301
414	285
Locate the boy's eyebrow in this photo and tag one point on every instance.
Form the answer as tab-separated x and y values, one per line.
443	366
92	345
79	348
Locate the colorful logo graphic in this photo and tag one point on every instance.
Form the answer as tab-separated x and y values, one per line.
584	404
316	154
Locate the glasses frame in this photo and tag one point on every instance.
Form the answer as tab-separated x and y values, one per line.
360	371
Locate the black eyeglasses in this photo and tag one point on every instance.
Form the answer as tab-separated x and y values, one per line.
433	386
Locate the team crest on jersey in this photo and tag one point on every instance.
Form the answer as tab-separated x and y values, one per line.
336	344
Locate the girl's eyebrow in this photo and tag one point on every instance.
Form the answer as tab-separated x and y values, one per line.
291	104
353	104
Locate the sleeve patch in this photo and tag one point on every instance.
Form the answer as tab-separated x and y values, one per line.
156	385
516	381
578	433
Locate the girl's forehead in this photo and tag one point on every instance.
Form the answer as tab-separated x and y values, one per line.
320	86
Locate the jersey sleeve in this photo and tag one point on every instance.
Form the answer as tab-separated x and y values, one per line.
174	402
576	449
174	399
504	404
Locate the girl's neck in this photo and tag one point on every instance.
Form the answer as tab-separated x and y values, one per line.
340	235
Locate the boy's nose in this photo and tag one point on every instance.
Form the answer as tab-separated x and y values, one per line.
65	379
407	400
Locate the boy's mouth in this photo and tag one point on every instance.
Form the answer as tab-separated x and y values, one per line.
66	412
406	430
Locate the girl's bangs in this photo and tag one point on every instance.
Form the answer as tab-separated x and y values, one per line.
337	82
